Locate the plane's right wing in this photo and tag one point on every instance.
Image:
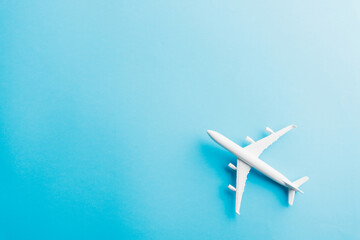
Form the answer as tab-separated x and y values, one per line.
242	170
256	148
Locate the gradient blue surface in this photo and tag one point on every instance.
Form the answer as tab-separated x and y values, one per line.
104	107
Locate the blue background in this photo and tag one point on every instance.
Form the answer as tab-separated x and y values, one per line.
104	107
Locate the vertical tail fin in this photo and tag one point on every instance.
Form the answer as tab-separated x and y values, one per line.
297	184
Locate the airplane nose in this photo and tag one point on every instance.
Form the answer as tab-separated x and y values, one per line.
210	132
213	134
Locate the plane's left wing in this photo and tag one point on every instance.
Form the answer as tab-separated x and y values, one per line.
242	170
256	148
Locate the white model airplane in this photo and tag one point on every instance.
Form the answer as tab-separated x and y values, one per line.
248	157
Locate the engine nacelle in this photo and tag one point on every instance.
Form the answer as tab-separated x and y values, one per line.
269	130
249	139
232	188
232	166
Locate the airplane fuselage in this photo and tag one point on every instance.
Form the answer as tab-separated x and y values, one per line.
250	159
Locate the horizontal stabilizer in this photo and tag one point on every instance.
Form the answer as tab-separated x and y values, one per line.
295	187
291	196
301	181
232	188
291	186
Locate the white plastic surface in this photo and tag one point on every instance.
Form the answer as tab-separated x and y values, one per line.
259	146
269	130
241	176
232	166
249	157
301	181
297	184
249	139
291	197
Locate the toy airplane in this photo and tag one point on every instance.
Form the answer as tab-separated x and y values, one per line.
248	157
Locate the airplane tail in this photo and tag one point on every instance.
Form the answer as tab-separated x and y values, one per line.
295	187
